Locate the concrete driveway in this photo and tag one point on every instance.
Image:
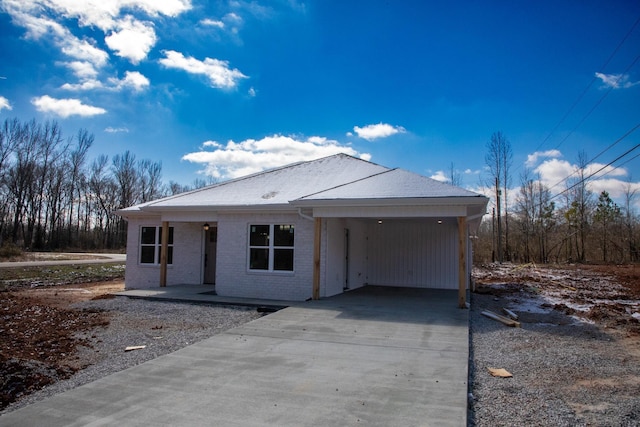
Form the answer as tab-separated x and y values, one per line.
374	356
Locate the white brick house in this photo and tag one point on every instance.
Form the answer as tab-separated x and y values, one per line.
307	230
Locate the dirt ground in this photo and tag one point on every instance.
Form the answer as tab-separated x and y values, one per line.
578	356
39	332
608	295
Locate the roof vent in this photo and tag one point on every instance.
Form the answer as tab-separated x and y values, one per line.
270	195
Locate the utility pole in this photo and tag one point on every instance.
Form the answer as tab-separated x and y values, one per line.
493	235
498	192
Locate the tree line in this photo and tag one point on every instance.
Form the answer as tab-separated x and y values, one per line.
52	197
575	225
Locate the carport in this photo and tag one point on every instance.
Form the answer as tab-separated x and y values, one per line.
393	231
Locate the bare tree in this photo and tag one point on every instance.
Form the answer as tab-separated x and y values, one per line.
126	177
629	221
49	152
105	197
498	160
150	178
580	205
455	178
77	160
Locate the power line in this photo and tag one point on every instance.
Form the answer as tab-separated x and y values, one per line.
598	102
586	89
629	132
599	170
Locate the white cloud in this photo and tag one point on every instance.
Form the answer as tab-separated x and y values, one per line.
4	104
250	156
252	92
553	171
212	23
127	36
65	107
97	13
82	69
440	176
381	130
132	39
85	85
615	187
214	144
593	168
83	50
616	81
217	71
133	80
116	130
532	159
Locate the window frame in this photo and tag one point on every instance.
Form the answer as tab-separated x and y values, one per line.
156	245
271	249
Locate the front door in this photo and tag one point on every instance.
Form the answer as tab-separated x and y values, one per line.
210	246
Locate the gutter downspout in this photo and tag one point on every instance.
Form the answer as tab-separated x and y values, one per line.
310	218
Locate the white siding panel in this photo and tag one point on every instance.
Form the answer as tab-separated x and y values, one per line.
413	254
357	252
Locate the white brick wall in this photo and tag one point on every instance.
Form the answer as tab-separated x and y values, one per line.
187	255
427	256
233	277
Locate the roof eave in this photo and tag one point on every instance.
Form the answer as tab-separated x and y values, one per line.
393	201
219	208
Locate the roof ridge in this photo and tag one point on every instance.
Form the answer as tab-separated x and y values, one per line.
351	182
250	176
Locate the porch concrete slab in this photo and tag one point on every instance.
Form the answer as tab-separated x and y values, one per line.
201	294
374	356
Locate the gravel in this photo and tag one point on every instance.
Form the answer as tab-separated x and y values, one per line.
566	372
163	327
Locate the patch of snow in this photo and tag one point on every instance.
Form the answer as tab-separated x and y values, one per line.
530	305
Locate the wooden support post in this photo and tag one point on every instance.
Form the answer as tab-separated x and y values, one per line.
462	262
316	257
164	250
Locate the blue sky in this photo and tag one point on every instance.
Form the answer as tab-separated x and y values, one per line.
225	88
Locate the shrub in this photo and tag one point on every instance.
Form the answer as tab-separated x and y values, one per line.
9	250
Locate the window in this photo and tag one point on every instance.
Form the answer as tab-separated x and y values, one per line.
151	245
271	247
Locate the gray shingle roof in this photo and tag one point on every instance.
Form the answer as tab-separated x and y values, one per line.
391	184
337	177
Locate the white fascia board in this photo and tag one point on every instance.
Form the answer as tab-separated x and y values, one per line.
389	211
219	208
417	201
126	214
192	216
206	214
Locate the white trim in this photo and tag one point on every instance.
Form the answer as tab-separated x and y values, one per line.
389	211
271	250
157	245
